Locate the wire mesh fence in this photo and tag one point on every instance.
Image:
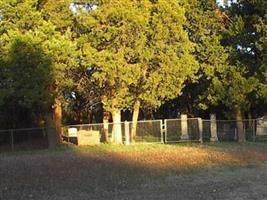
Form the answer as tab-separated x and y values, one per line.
148	131
104	131
196	129
152	131
177	130
23	139
145	131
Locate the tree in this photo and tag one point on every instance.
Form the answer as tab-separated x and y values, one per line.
140	51
243	37
237	86
205	24
26	76
58	13
23	23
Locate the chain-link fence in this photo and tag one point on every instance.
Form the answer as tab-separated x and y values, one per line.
148	131
104	131
144	131
152	131
196	129
23	139
177	130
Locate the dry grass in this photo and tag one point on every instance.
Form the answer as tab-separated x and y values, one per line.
179	157
132	172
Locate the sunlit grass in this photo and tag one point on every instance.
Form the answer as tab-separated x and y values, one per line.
183	156
107	169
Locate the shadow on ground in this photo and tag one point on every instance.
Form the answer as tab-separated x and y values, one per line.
136	172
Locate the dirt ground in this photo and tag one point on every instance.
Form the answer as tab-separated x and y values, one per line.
129	173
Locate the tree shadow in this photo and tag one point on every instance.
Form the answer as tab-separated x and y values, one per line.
115	172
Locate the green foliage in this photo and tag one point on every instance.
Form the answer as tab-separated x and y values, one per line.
232	89
34	56
238	84
27	69
58	13
245	39
126	51
135	47
204	24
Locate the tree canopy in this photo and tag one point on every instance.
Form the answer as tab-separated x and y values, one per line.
128	56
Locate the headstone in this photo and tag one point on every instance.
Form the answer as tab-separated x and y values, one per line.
72	132
184	128
213	128
261	126
88	138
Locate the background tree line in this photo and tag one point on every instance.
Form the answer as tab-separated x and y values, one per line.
87	61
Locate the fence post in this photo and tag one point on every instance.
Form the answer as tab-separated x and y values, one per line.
162	130
127	133
213	128
184	126
12	139
200	128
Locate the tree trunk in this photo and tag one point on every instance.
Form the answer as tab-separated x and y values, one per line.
136	110
240	126
116	131
57	115
51	130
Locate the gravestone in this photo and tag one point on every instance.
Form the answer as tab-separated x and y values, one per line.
262	126
184	127
213	128
88	138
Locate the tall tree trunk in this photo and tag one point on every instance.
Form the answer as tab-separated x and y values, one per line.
51	130
240	126
136	110
57	115
116	131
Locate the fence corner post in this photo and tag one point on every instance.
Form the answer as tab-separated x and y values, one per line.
127	133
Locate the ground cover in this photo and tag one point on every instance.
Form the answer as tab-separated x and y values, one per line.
182	171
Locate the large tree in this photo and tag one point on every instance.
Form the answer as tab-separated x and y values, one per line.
238	86
140	51
205	24
35	58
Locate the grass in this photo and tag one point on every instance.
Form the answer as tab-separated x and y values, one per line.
141	171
